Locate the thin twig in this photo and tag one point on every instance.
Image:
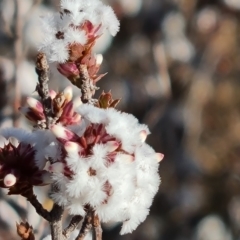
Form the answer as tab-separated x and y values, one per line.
86	85
56	223
42	70
38	206
17	36
72	225
97	229
86	226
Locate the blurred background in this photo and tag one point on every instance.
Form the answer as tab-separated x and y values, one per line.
176	66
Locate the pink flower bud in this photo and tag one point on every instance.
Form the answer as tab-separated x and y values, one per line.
35	104
68	69
61	132
71	147
9	180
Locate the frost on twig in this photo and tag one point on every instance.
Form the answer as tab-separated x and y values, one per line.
42	70
87	87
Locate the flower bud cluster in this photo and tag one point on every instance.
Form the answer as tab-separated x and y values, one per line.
96	156
105	163
63	108
18	169
71	34
100	162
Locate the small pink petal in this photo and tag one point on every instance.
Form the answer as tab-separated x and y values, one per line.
9	180
112	146
143	135
159	156
71	147
127	158
52	94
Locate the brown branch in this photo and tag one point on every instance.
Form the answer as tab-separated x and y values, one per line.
86	226
31	197
54	217
56	223
72	226
97	229
86	85
42	70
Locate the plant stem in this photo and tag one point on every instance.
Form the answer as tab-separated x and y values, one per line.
86	226
97	229
72	225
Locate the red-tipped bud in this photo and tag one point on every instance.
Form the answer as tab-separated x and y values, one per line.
61	132
35	104
68	69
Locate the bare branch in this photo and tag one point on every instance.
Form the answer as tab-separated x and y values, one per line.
87	86
97	229
42	70
31	197
56	223
72	225
86	226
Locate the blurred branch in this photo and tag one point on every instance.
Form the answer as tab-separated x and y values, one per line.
5	25
56	222
72	225
97	229
17	36
159	57
86	226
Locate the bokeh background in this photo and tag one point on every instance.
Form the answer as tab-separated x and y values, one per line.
176	66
